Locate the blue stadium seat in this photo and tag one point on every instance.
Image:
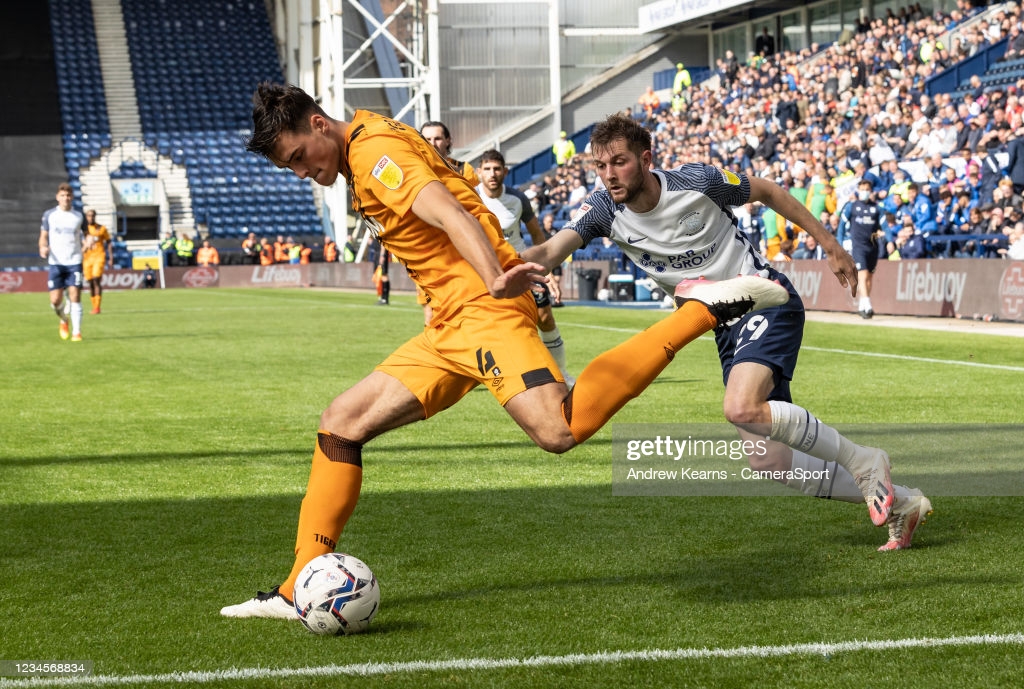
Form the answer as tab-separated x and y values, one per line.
214	52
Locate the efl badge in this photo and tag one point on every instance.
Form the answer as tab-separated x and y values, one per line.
388	173
584	209
730	177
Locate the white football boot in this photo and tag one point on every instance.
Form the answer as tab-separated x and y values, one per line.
270	604
910	511
733	298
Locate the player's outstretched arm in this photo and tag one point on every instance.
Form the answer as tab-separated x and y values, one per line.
786	205
555	250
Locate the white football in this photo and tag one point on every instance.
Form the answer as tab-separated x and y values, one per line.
336	593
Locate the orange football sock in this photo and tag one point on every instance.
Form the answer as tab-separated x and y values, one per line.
621	373
331	494
99	300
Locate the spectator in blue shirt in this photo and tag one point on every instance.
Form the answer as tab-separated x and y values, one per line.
944	212
889	225
972	182
860	169
966	217
921	211
809	249
894	204
991	173
936	175
960	216
907	244
885	176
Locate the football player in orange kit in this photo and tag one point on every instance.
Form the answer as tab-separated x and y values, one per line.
96	255
484	329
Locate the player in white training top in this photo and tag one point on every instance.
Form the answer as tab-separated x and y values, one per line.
60	242
678	224
513	209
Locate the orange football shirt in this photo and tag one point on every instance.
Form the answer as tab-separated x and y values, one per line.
97	250
386	164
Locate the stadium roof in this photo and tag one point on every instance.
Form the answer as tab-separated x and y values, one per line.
676	15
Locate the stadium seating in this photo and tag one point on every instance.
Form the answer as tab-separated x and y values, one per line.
84	123
992	73
194	66
132	169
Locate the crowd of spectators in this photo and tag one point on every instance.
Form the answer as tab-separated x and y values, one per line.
818	120
180	250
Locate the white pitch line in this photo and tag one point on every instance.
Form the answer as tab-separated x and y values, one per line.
473	664
879	355
920	359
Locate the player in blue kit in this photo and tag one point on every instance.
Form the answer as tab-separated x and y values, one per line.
513	210
677	225
861	221
60	243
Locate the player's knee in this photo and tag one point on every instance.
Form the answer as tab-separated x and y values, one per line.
337	419
555	441
545	320
557	446
328	420
741	412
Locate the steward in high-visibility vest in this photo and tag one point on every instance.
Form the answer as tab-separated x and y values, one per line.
564	149
330	250
267	253
185	249
678	103
167	248
208	255
682	79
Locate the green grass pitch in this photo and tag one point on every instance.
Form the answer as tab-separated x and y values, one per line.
153	473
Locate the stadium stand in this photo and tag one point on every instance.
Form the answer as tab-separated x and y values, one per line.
84	124
805	119
30	131
194	66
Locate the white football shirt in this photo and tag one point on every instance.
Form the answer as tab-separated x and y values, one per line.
511	208
690	233
64	230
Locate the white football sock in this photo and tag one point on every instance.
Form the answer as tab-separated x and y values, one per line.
823	479
553	341
76	318
797	427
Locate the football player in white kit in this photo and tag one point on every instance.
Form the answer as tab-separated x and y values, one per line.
513	209
60	242
677	225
